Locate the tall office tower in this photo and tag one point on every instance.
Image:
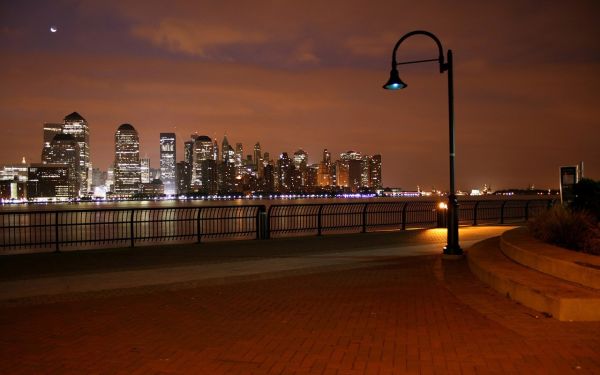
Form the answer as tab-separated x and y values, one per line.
269	178
183	173
323	175
257	153
188	152
145	170
77	126
300	157
239	159
50	130
98	177
365	171
312	176
224	149
353	161
216	151
65	150
258	160
375	174
285	167
49	181
127	168
168	154
341	174
110	179
326	157
350	155
204	170
300	164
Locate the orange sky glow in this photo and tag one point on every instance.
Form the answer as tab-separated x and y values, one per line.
308	75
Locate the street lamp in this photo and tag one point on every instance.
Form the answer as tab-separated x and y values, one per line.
395	83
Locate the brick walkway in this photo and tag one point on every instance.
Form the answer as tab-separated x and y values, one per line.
420	315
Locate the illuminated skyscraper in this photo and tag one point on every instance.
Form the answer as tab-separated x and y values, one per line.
75	125
167	162
145	170
127	168
64	150
216	151
258	160
50	130
285	168
342	173
326	157
188	152
239	159
204	170
375	175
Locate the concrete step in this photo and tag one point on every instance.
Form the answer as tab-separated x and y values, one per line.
564	300
581	268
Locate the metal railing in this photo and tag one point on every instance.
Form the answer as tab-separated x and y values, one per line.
127	227
97	228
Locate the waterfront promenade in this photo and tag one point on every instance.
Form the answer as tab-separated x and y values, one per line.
375	303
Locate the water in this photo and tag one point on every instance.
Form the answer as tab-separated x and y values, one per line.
195	203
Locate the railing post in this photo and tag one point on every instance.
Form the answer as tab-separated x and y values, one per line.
132	228
502	212
527	210
319	223
261	219
268	224
198	226
364	218
475	213
56	231
404	215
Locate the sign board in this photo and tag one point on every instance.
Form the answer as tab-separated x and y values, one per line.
569	176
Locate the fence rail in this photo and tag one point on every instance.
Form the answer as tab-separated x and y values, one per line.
97	228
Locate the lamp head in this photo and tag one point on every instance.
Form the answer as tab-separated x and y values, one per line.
394	83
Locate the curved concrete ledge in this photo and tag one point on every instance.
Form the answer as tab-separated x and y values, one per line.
581	268
559	298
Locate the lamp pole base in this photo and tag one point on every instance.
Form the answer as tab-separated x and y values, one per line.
452	254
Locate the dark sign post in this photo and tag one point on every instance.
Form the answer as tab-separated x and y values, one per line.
569	176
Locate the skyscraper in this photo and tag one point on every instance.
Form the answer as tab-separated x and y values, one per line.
167	162
50	130
353	161
145	170
64	150
285	169
375	174
239	159
204	170
77	126
127	168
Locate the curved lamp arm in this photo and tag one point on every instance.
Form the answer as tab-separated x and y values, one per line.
443	65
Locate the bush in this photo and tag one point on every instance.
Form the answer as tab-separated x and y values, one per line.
587	197
572	229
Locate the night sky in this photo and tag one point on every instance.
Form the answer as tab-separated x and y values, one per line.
308	74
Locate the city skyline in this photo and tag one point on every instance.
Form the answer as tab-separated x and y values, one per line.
309	76
65	170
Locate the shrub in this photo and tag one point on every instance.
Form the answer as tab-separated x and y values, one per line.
587	197
576	230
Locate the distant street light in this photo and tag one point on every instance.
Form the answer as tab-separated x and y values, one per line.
395	83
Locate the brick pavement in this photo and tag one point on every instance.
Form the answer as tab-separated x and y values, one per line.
415	315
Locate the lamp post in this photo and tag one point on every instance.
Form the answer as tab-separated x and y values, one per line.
395	83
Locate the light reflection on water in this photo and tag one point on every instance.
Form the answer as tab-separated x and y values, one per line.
196	203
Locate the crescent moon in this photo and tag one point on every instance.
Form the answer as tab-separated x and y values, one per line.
53	29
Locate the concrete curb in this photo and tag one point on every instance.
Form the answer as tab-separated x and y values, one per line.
569	265
561	299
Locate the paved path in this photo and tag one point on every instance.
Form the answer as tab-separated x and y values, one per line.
347	305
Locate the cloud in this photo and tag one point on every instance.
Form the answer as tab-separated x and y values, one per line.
304	53
194	38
